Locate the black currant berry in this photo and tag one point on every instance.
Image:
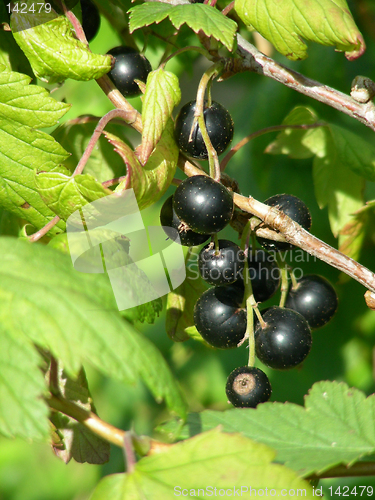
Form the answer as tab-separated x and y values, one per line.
264	274
223	266
247	387
129	66
285	340
204	205
294	208
219	126
173	228
90	19
219	317
314	298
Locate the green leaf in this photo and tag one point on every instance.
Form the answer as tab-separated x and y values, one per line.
152	180
339	171
161	96
181	301
23	108
210	463
28	104
65	194
23	413
103	163
335	427
118	246
328	22
74	315
10	54
79	442
22	149
54	53
196	16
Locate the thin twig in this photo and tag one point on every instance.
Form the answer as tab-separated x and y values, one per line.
254	135
295	234
254	60
115	113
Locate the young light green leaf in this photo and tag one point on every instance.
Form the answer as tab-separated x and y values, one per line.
215	463
79	442
28	104
196	16
22	149
55	54
103	163
322	21
152	180
74	315
65	194
161	96
180	303
335	427
23	413
339	171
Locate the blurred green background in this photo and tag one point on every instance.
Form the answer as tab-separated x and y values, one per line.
342	350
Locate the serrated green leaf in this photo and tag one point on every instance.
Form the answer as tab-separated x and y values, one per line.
152	180
23	413
196	16
336	426
79	442
181	301
328	22
74	316
119	245
22	149
55	54
28	104
103	163
339	170
161	96
65	194
215	463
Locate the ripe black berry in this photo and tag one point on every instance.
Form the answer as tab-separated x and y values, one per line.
294	208
223	266
172	227
204	205
264	274
129	66
219	126
90	19
247	387
219	318
314	298
285	340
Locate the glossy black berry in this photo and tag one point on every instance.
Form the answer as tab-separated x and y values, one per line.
219	318
204	205
294	208
173	228
129	66
264	274
314	298
221	267
90	19
247	387
219	126
285	340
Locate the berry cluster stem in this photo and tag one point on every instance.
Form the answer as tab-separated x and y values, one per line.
213	160
284	271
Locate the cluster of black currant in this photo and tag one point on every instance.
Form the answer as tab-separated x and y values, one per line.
199	209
